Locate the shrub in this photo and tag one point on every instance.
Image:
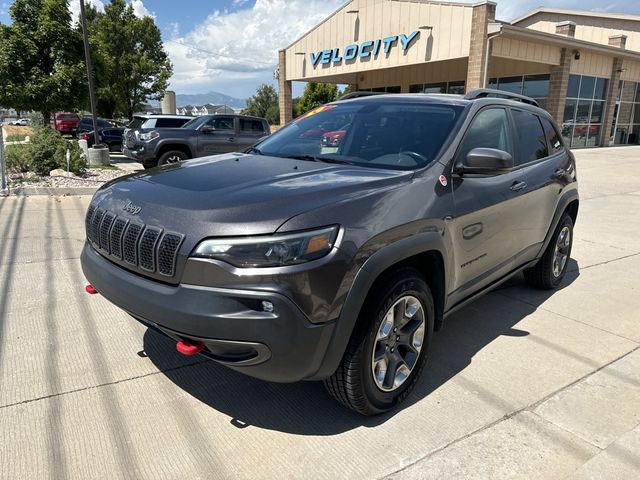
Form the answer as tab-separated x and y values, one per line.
18	158
48	150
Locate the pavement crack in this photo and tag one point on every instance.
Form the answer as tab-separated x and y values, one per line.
529	408
106	384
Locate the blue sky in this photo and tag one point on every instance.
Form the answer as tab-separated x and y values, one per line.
230	46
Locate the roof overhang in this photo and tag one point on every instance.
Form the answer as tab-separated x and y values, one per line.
578	13
527	34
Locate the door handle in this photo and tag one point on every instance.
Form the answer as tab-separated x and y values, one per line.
559	173
517	186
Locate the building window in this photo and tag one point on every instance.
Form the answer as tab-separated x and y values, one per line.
456	88
583	111
534	86
394	89
626	125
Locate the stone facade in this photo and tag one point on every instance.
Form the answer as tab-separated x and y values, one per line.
479	43
567	28
619	41
285	99
612	96
558	83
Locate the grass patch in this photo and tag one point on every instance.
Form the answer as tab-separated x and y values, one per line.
16	138
28	179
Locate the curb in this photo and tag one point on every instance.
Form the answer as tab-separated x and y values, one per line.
53	191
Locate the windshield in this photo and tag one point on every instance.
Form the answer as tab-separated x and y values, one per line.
382	135
195	123
67	116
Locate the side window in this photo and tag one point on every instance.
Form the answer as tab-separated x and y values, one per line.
251	127
169	122
532	144
149	123
552	136
489	129
222	124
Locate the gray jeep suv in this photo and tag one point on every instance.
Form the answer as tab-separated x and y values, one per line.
199	137
335	247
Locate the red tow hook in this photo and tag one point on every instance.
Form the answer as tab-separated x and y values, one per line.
187	348
90	289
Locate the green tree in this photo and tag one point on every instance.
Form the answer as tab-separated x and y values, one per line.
132	66
41	62
316	94
264	104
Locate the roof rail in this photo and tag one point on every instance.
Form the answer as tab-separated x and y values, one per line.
492	92
350	95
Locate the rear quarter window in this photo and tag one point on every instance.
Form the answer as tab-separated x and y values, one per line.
170	122
555	144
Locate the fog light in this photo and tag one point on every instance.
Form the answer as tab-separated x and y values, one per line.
267	306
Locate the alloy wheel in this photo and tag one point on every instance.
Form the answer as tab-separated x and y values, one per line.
561	252
398	343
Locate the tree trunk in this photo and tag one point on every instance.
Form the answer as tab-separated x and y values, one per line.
46	116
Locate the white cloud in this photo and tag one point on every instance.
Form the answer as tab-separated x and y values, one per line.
139	9
233	52
74	7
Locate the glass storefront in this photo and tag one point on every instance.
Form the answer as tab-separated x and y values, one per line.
443	87
583	111
534	86
626	124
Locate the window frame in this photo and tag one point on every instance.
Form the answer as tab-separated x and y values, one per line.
511	126
537	160
563	147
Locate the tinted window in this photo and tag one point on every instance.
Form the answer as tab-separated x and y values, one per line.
390	135
136	122
574	86
170	122
252	127
223	124
552	136
489	129
532	144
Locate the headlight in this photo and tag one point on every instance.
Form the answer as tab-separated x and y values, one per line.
272	251
147	137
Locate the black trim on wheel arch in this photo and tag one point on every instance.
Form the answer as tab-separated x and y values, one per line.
364	280
563	203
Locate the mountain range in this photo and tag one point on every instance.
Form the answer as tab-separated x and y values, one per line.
216	98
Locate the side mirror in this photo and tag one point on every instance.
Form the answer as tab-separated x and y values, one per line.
207	129
486	161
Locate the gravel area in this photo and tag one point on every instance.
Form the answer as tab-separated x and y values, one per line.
92	177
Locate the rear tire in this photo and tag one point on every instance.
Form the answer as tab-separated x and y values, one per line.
387	350
172	156
552	266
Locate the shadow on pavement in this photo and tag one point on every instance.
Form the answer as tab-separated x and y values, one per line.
305	408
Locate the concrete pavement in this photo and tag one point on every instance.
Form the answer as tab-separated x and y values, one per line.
520	384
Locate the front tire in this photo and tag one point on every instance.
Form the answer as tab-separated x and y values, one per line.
552	266
388	348
172	156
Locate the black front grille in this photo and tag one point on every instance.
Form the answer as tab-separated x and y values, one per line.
143	246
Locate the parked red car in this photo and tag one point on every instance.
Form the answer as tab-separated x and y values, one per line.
65	122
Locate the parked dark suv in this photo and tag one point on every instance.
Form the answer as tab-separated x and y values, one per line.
201	136
292	262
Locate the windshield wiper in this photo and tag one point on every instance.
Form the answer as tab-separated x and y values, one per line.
319	158
255	150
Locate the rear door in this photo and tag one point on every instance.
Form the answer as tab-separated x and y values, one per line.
547	165
218	135
249	132
489	209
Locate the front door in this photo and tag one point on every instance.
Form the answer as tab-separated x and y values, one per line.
489	209
218	135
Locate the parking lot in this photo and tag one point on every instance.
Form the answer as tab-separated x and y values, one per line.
522	383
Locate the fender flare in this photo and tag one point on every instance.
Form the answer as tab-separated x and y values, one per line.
369	272
567	197
172	141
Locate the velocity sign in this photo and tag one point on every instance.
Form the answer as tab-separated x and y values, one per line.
370	48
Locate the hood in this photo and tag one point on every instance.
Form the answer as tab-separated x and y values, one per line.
237	194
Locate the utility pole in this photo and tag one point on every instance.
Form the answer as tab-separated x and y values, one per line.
87	56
